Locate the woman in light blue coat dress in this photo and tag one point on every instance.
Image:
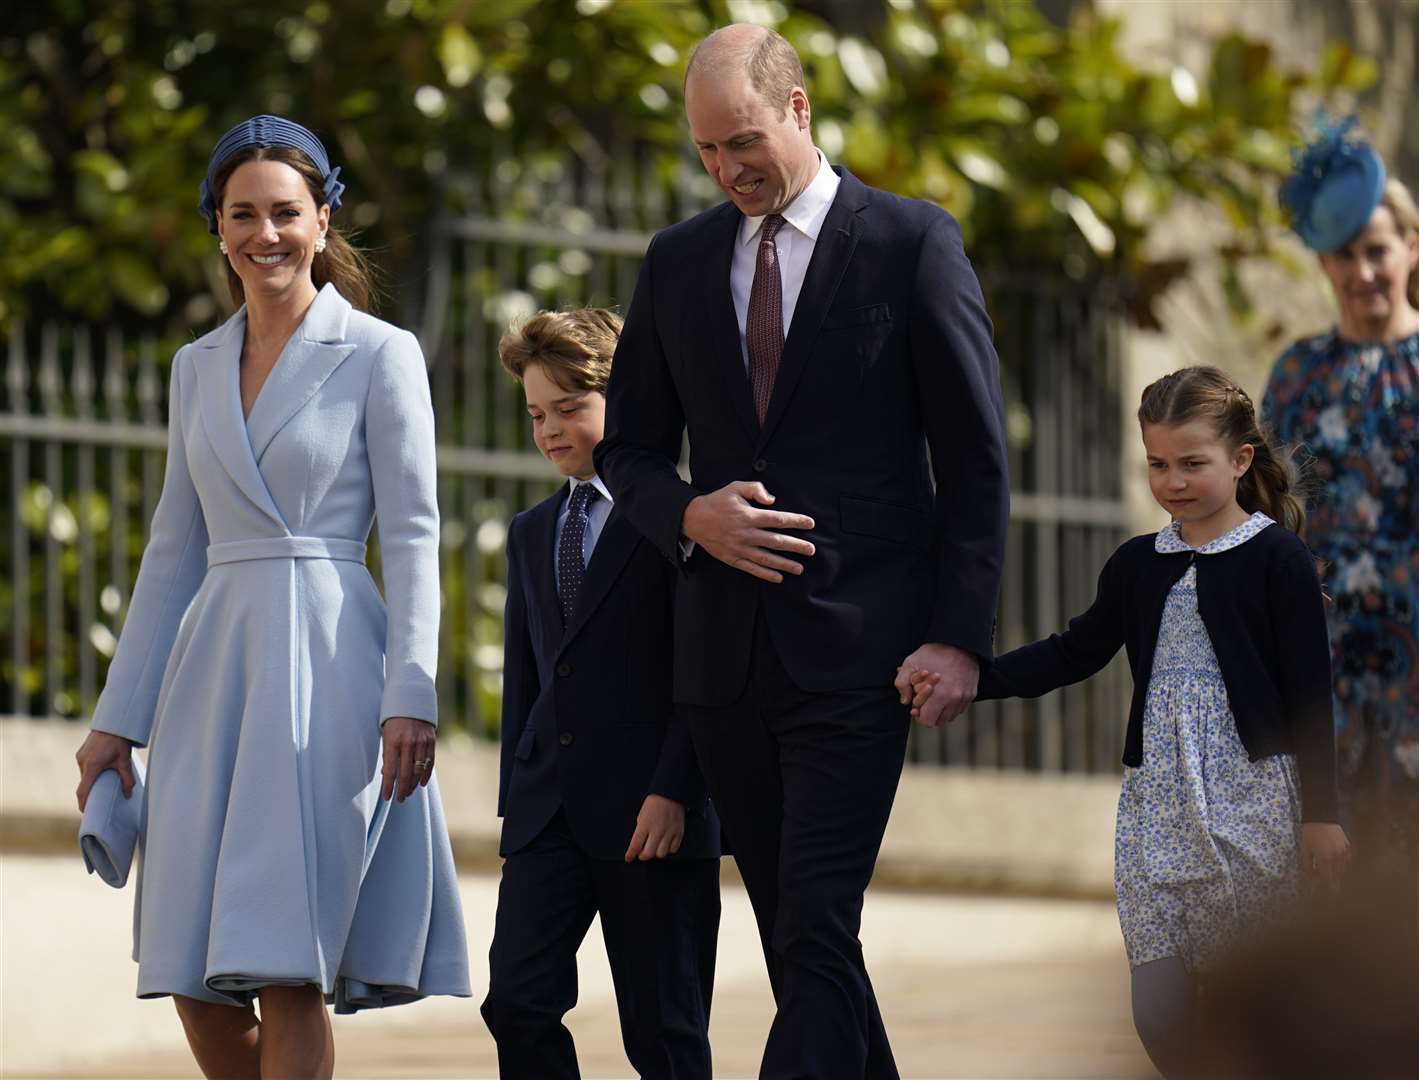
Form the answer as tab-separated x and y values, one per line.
295	849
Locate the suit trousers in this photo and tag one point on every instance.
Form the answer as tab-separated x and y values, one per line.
660	922
804	784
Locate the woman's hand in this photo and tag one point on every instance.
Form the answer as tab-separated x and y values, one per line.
408	755
103	751
1324	850
660	826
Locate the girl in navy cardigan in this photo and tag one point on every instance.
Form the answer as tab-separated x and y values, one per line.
1230	778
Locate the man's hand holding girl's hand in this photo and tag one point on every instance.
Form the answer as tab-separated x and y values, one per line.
938	682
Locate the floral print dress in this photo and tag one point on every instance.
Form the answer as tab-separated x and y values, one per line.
1354	411
1207	839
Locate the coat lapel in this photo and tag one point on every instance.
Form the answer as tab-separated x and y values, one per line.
541	573
613	550
219	396
831	255
315	350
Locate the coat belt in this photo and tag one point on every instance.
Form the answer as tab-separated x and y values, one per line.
286	547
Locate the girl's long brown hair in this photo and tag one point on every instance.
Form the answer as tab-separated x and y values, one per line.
1272	484
341	263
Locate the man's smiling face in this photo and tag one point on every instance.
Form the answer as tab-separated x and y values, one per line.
761	156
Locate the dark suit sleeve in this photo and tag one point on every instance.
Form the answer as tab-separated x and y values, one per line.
645	427
1298	610
1061	659
958	382
677	773
520	681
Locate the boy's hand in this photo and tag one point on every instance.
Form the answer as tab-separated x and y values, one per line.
660	826
1324	850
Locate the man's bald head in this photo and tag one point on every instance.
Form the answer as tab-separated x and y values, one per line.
750	119
742	49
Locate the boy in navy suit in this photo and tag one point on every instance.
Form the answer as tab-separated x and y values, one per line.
604	810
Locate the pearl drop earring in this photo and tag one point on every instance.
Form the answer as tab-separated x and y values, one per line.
222	246
319	244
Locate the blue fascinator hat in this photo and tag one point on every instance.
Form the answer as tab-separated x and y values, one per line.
1337	183
267	131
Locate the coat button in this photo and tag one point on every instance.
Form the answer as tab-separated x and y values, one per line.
760	465
564	670
566	738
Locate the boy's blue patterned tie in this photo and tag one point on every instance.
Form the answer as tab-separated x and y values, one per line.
571	563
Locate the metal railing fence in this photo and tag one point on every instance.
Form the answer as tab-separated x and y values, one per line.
82	439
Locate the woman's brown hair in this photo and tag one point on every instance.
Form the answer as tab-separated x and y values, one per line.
341	263
1272	483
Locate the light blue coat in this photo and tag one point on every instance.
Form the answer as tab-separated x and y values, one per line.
260	661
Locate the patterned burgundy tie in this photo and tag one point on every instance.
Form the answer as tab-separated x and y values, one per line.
765	323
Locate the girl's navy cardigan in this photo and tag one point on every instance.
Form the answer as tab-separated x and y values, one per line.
1262	605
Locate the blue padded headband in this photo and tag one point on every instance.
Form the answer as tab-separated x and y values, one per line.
267	131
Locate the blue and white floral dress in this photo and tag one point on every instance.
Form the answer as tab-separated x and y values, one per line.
1354	409
1207	839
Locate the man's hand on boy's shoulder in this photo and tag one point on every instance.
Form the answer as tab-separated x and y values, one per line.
660	826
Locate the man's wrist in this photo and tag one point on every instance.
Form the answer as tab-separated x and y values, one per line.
686	525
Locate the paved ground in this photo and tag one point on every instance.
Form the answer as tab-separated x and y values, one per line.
1015	1020
970	986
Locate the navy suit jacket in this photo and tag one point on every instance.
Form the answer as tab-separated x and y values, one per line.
588	723
888	376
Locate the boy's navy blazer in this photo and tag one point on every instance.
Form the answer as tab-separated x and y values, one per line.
588	723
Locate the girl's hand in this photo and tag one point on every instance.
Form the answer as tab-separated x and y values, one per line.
100	752
922	684
1324	850
408	755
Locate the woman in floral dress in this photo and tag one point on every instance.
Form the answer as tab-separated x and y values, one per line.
1348	399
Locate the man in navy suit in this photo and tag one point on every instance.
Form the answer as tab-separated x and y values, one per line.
827	348
604	810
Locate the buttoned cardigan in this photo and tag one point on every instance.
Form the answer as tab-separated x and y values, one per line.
1264	611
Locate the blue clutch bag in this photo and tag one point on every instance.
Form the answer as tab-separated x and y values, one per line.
108	835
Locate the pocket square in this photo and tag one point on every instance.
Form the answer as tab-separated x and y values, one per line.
108	835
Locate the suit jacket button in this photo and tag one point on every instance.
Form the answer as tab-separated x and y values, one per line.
564	670
566	738
760	465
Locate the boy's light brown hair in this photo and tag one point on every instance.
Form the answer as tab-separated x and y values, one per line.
573	348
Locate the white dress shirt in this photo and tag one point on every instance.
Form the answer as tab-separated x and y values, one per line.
803	220
596	514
